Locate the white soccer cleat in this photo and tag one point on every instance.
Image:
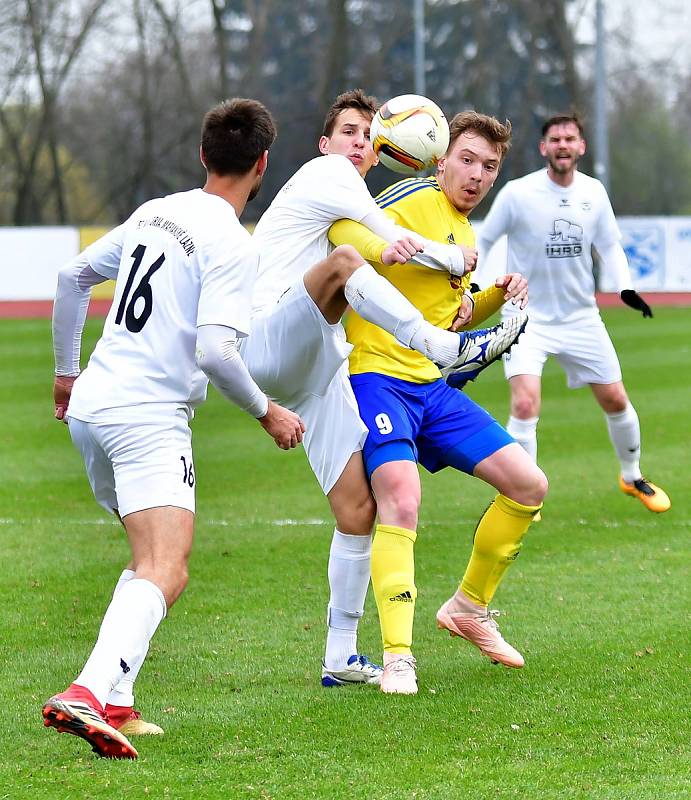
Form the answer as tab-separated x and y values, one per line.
399	674
481	348
479	628
359	669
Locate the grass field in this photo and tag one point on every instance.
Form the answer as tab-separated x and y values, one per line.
598	604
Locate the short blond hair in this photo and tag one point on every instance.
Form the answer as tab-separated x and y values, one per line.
499	133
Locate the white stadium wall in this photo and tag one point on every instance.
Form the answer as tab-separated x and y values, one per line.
31	258
659	253
658	249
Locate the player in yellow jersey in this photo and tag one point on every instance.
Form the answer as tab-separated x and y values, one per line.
413	415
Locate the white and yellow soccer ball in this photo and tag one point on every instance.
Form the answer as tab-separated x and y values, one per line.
409	133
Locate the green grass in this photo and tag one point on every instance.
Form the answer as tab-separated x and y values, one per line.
597	603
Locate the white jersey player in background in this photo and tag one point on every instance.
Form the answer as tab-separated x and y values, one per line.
184	268
552	218
297	351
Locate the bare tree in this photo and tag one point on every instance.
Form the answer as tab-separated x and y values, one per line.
55	35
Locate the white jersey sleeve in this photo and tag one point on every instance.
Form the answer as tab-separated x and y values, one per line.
225	295
494	226
607	241
103	255
292	234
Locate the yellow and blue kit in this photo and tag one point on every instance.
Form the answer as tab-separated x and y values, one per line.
408	408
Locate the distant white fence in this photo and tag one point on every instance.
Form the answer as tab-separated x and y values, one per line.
658	249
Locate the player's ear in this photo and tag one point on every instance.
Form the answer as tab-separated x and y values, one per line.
441	165
581	149
262	163
201	157
324	142
543	148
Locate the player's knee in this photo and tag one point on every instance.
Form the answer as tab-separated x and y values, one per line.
531	488
344	260
358	516
614	402
524	406
400	509
539	488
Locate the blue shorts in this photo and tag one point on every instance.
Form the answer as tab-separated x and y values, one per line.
430	423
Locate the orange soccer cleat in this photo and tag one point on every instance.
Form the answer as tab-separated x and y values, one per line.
652	497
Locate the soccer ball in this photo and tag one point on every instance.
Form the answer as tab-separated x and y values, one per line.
409	133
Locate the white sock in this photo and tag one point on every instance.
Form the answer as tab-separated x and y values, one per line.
625	433
349	572
123	693
131	620
379	302
524	431
126	575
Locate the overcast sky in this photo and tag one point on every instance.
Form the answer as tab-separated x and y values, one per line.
660	31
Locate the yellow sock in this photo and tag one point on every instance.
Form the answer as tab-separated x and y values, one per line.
393	582
496	545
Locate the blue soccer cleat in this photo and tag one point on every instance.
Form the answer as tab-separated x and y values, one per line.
359	669
480	348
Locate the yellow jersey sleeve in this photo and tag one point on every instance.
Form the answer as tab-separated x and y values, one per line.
487	302
420	206
368	244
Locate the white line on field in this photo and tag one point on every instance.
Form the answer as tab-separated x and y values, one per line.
222	523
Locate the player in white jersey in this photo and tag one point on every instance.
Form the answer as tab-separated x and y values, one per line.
297	351
552	218
184	270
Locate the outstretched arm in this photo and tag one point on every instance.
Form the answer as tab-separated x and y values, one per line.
614	262
388	243
485	302
94	265
218	358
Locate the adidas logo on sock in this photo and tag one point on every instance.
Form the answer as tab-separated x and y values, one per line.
403	597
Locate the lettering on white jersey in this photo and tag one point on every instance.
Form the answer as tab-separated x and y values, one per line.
565	240
175	230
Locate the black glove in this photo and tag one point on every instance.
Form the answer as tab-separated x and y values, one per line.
634	300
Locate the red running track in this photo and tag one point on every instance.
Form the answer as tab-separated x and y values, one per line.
42	309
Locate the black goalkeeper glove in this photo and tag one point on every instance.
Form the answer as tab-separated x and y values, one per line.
634	300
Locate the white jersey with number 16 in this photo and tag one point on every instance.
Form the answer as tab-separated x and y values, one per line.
179	261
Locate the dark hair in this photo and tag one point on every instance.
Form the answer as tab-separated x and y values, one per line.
563	119
355	98
235	133
499	133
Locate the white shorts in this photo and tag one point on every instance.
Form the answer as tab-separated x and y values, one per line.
583	349
300	361
134	466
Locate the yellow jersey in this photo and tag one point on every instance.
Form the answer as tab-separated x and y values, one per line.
419	205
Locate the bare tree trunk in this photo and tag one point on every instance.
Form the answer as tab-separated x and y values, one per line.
260	12
64	50
37	39
334	76
172	30
147	187
218	8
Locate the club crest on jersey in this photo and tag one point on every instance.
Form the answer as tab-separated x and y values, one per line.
565	240
586	205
